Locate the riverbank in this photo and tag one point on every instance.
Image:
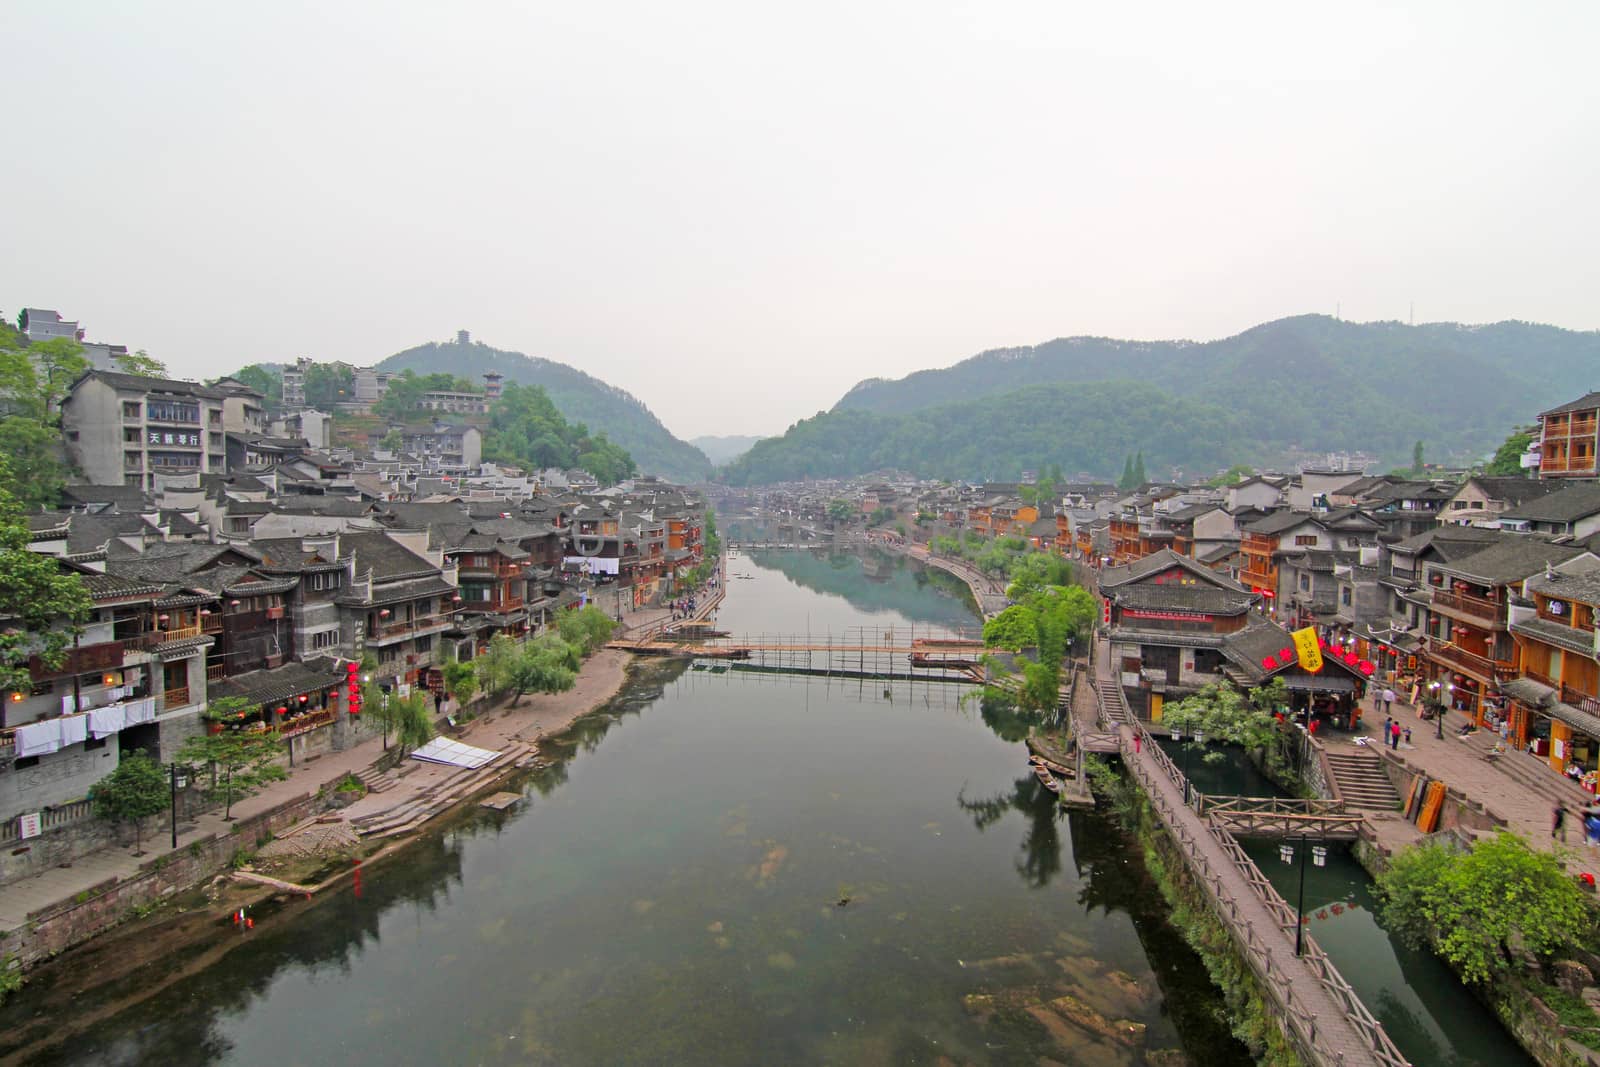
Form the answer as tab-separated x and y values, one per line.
67	907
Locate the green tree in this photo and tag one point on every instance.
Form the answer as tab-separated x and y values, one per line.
525	428
1127	481
1139	476
1507	461
393	441
461	680
1224	714
587	629
328	384
132	793
241	761
1417	463
841	510
547	664
1233	475
36	473
141	364
1475	907
1015	628
60	363
264	380
45	606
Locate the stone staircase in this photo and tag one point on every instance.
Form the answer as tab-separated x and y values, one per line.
377	781
411	813
1362	782
1534	774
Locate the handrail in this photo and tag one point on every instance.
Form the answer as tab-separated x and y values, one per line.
1257	955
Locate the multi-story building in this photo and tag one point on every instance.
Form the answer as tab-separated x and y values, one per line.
1555	699
123	429
1569	439
1468	644
1168	619
455	401
1482	499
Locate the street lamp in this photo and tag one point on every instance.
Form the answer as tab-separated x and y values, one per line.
1441	700
1319	856
179	781
1199	738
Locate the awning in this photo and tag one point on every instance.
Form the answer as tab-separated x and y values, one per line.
453	753
1529	692
1317	683
1581	721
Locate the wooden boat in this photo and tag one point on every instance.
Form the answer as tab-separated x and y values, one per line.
1047	779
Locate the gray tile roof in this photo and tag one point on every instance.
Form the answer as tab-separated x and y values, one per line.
1511	561
1583	403
1565	505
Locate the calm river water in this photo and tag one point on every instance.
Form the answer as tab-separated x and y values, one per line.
669	893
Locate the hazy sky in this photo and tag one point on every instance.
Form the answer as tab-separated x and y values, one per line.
736	211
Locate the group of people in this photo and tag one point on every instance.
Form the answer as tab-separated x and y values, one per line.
1590	817
684	608
1393	732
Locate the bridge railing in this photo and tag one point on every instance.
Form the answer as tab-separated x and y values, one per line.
1302	1022
1238	805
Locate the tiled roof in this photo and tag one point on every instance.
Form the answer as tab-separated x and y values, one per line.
1583	403
1511	561
1564	505
280	683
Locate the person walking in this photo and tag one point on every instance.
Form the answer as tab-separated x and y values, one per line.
1394	736
1138	742
1388	699
1558	823
1388	721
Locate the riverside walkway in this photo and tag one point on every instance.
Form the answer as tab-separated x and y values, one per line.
1319	1012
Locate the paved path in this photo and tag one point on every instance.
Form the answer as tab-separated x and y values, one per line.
1320	1006
601	676
1520	788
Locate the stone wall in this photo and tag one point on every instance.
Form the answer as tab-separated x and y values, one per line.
54	929
1459	811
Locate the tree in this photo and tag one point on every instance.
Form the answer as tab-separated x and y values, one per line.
393	441
1417	464
461	680
1139	476
1474	907
1127	481
264	380
133	792
36	473
142	364
1232	476
1015	628
841	510
587	629
407	717
242	761
1224	714
328	384
43	605
60	363
1507	461
525	428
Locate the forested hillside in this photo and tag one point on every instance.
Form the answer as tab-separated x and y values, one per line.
1311	382
1091	427
579	397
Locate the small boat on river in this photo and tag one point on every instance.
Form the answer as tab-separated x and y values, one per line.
1047	779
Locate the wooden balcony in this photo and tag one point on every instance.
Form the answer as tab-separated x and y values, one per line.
175	698
178	633
1472	606
1587	702
1457	658
406	626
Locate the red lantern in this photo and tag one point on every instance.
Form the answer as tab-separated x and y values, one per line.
282	710
1269	662
1367	668
1286	654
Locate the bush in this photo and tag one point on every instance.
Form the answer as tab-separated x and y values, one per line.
1472	907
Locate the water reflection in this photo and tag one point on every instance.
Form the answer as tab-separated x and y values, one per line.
1041	845
875	582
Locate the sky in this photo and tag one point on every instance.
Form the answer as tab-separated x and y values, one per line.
736	211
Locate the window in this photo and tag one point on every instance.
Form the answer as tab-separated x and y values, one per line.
130	409
1305	539
324	639
425	644
1344	595
1305	583
1457	505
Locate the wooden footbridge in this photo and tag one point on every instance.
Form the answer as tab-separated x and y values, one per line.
887	653
1318	1011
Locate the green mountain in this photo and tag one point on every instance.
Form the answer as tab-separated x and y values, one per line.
579	397
1093	427
1309	382
723	450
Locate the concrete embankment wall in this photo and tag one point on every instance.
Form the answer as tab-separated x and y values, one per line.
54	929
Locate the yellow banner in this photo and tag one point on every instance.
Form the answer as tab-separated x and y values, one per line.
1310	651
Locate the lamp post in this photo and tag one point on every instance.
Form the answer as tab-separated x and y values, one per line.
1199	738
1441	700
1319	856
178	782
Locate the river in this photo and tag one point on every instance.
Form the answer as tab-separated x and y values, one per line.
721	868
